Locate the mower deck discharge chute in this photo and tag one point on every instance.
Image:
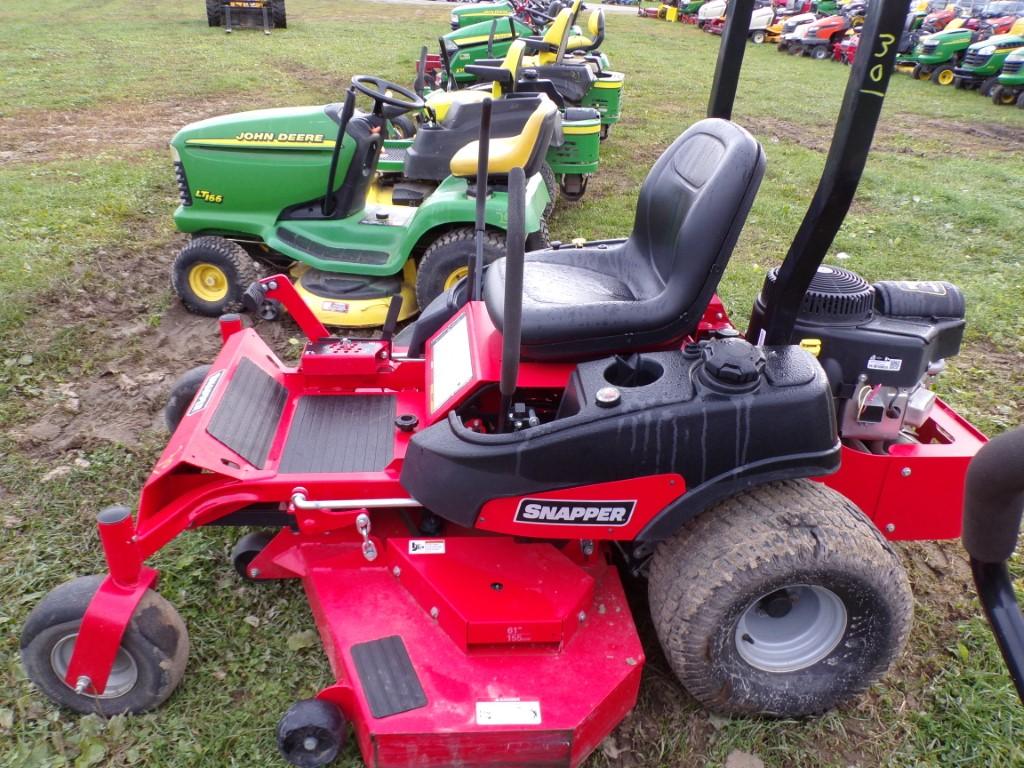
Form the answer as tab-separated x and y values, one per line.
453	498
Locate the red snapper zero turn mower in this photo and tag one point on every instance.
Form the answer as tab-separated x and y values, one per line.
458	499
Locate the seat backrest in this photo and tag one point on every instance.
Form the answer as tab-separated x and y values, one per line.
691	209
556	35
513	62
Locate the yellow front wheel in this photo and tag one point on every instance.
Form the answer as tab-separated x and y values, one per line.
943	75
210	275
455	276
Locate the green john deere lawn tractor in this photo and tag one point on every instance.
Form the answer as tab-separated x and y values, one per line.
936	56
571	62
474	13
983	62
1010	87
277	188
572	157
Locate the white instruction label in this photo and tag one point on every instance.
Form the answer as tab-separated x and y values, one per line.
508	712
426	546
451	366
892	364
206	392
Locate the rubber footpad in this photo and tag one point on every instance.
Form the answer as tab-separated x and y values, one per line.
247	416
340	433
389	681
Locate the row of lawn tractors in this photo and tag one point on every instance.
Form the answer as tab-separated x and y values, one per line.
459	498
390	209
975	49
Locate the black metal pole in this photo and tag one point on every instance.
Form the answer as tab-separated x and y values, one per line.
995	590
476	266
730	58
512	311
327	208
855	129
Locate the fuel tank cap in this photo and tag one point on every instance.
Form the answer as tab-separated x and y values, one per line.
733	362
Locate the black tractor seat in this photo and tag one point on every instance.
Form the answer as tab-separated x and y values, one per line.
651	289
429	157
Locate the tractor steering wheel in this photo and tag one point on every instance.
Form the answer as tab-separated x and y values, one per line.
377	89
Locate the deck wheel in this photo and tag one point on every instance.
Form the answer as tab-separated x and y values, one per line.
182	394
311	733
245	551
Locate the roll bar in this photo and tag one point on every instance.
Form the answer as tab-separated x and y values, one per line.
730	59
993	503
851	141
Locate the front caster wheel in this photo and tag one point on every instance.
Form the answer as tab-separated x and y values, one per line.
806	607
245	551
311	733
149	664
182	394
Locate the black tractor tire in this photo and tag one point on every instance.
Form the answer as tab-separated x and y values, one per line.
819	52
540	239
959	83
920	73
795	50
245	551
937	75
233	265
1020	100
278	15
985	89
781	47
787	549
182	394
1002	97
757	37
451	252
155	642
402	127
214	12
551	182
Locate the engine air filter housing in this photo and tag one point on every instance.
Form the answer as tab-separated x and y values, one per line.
836	295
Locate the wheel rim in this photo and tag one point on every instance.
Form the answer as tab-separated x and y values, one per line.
123	675
455	276
208	282
945	77
1006	98
791	628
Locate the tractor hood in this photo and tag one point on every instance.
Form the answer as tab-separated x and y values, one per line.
303	128
997	44
949	37
477	12
480	32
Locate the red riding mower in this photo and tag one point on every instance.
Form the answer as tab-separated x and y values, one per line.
455	499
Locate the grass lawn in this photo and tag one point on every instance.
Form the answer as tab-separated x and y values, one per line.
91	340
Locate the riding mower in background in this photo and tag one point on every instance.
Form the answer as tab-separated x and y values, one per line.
846	51
648	11
912	32
262	14
572	156
274	188
983	62
457	500
580	78
760	20
688	11
1010	87
786	32
820	38
709	11
936	56
474	13
991	529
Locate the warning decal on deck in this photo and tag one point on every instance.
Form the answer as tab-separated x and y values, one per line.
426	546
508	712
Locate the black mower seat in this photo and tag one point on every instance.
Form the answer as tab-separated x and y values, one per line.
652	288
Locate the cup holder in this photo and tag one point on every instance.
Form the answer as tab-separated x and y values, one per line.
633	371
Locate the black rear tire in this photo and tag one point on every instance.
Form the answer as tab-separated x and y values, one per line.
214	12
278	15
1020	100
230	267
448	255
155	642
779	542
819	52
182	394
985	89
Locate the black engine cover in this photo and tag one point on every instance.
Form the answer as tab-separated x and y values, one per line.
721	435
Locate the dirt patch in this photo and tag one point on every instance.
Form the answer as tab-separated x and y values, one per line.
954	136
131	352
35	136
774	130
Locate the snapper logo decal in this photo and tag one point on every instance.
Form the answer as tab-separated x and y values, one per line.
566	512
